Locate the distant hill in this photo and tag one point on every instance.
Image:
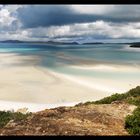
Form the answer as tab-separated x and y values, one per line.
135	45
61	43
42	42
91	43
11	41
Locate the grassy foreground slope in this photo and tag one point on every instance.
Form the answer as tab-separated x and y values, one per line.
6	116
118	114
131	97
132	122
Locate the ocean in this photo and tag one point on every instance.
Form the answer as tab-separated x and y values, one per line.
59	58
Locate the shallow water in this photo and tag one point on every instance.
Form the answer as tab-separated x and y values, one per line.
59	58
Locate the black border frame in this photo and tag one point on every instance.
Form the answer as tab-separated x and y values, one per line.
69	1
83	2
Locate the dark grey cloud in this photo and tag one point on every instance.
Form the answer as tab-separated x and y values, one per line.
56	15
42	16
40	22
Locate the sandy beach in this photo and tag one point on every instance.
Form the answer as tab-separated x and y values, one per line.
37	88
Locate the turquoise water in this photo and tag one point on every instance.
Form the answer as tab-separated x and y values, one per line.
104	52
59	57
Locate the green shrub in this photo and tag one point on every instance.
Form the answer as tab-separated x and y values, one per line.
135	92
132	122
6	116
134	101
17	116
110	99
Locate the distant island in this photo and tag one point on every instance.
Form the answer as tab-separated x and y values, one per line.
42	42
11	41
135	45
61	43
50	42
91	43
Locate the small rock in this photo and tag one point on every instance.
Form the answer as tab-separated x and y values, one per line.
38	128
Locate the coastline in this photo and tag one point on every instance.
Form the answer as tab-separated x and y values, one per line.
37	88
31	107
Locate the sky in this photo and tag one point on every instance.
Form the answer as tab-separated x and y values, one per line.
81	23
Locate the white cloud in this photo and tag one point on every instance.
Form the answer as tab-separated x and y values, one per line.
13	8
5	18
93	9
108	29
94	29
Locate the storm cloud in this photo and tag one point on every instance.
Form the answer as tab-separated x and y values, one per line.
70	22
45	16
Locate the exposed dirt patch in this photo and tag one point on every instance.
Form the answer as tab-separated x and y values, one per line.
103	119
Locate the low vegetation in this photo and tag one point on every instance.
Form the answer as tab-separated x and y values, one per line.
132	122
6	116
131	97
117	97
